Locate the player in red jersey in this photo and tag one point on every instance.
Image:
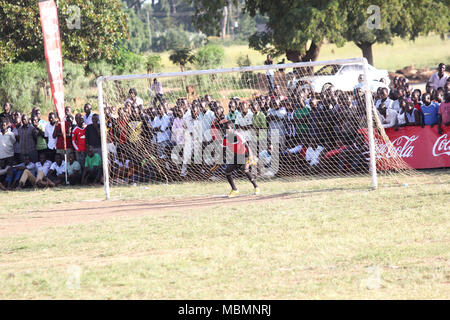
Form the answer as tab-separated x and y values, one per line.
237	147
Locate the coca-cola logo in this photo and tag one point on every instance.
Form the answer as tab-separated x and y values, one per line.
441	146
401	147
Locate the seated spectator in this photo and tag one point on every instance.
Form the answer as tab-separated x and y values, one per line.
429	110
40	180
5	169
73	170
92	172
388	117
314	154
18	172
57	172
438	79
7	140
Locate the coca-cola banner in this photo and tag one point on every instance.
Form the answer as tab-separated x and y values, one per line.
52	47
421	147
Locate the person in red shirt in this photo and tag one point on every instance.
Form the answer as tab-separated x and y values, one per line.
57	133
79	139
235	144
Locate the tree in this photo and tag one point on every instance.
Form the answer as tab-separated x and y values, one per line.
377	21
181	57
295	28
210	56
153	63
102	25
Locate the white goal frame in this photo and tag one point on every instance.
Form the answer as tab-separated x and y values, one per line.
369	105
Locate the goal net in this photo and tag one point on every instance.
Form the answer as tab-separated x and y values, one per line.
301	121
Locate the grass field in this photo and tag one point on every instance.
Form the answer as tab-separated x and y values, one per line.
329	238
423	52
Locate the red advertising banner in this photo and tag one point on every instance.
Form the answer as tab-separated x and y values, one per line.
420	147
53	56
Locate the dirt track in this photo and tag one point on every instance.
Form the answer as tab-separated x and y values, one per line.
98	210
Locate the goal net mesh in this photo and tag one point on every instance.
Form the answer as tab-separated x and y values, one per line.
296	127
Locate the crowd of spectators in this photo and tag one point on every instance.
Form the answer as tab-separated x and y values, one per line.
316	132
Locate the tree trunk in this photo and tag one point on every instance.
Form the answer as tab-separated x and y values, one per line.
223	22
173	7
366	48
311	55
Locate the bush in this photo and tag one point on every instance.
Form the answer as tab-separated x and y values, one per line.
248	77
210	57
24	85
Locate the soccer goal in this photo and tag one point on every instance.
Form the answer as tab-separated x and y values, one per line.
300	121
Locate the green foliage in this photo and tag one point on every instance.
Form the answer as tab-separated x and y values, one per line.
23	85
102	26
248	78
127	62
139	39
210	57
153	63
182	57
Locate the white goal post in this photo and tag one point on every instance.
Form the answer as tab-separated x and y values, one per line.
370	108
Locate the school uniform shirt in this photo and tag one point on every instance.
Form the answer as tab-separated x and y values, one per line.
7	141
88	119
139	102
71	168
245	121
30	167
43	167
79	139
313	156
94	161
59	169
401	118
177	131
193	129
163	123
49	129
430	113
207	120
389	120
279	123
388	103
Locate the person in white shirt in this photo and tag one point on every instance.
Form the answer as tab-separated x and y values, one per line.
192	138
157	89
51	142
207	117
57	171
388	117
27	165
384	98
373	85
275	118
244	121
133	99
439	78
312	155
42	167
160	125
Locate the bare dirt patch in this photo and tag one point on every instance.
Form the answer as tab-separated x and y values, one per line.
97	210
